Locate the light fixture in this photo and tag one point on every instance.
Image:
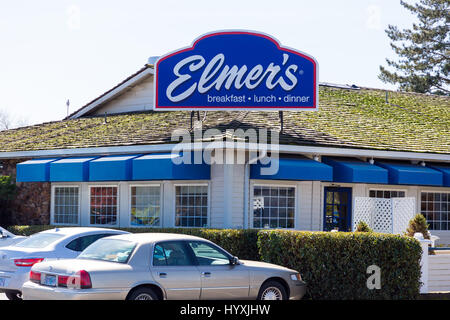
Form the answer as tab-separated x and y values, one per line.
423	164
316	158
371	161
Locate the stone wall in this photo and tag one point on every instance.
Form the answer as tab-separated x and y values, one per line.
32	202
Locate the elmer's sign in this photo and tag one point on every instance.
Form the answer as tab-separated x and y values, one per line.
236	70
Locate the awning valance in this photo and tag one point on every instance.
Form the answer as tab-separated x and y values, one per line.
353	170
445	171
35	170
293	169
111	168
70	169
413	174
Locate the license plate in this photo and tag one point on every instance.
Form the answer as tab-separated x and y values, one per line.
2	282
50	281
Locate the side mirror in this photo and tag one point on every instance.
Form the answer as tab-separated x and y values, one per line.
234	261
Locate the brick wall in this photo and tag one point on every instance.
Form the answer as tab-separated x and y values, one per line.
32	202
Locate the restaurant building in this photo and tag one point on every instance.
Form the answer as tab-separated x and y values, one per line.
110	163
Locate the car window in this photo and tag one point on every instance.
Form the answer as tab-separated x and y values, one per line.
106	249
39	240
81	243
208	254
171	253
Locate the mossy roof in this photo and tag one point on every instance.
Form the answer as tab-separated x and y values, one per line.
346	118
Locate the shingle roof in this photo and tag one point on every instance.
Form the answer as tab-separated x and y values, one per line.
346	118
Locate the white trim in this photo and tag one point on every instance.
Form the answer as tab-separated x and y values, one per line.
292	149
208	207
161	200
277	185
52	204
117	224
114	93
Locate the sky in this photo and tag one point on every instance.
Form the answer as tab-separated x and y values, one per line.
55	50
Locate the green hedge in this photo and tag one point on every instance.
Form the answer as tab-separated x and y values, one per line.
335	264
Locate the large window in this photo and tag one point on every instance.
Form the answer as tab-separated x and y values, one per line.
66	205
435	206
103	205
273	207
386	194
145	206
191	206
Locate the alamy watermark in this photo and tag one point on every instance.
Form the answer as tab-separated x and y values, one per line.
374	280
234	146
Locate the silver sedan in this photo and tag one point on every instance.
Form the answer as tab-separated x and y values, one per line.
150	266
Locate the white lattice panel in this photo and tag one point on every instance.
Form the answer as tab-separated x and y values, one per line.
384	215
403	210
363	210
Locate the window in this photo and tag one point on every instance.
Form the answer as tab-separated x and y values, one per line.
109	250
81	243
207	254
273	207
435	207
387	194
145	205
103	205
172	253
191	208
40	240
66	205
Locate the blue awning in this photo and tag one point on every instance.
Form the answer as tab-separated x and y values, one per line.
162	167
70	169
36	170
353	170
445	171
111	168
407	173
294	169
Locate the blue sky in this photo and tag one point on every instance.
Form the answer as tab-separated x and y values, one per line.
54	50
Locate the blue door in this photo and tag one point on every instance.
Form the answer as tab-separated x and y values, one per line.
337	209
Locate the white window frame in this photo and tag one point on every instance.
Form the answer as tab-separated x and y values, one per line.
387	189
117	224
277	185
52	206
208	218
161	204
432	191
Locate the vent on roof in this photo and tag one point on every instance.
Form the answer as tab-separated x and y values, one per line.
341	86
152	60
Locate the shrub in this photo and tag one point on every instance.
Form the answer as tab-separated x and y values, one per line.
334	264
363	227
418	224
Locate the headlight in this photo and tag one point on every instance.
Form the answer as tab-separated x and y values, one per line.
296	277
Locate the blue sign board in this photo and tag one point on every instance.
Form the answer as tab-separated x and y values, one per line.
236	70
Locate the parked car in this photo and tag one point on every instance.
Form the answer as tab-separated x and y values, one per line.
150	266
7	238
59	243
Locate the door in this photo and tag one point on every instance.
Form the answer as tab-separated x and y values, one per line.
174	269
337	209
219	278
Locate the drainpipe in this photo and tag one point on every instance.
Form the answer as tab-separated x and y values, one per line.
246	192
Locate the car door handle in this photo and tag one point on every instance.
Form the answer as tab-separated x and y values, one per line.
163	275
206	274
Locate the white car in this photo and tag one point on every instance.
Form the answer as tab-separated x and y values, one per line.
7	238
59	243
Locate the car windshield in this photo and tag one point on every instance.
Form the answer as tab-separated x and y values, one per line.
39	240
109	250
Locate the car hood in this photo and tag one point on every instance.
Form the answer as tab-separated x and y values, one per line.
71	266
264	265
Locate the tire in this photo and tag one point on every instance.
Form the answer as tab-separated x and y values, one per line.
14	295
143	294
272	290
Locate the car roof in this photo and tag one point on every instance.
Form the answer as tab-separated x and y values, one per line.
69	231
154	237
